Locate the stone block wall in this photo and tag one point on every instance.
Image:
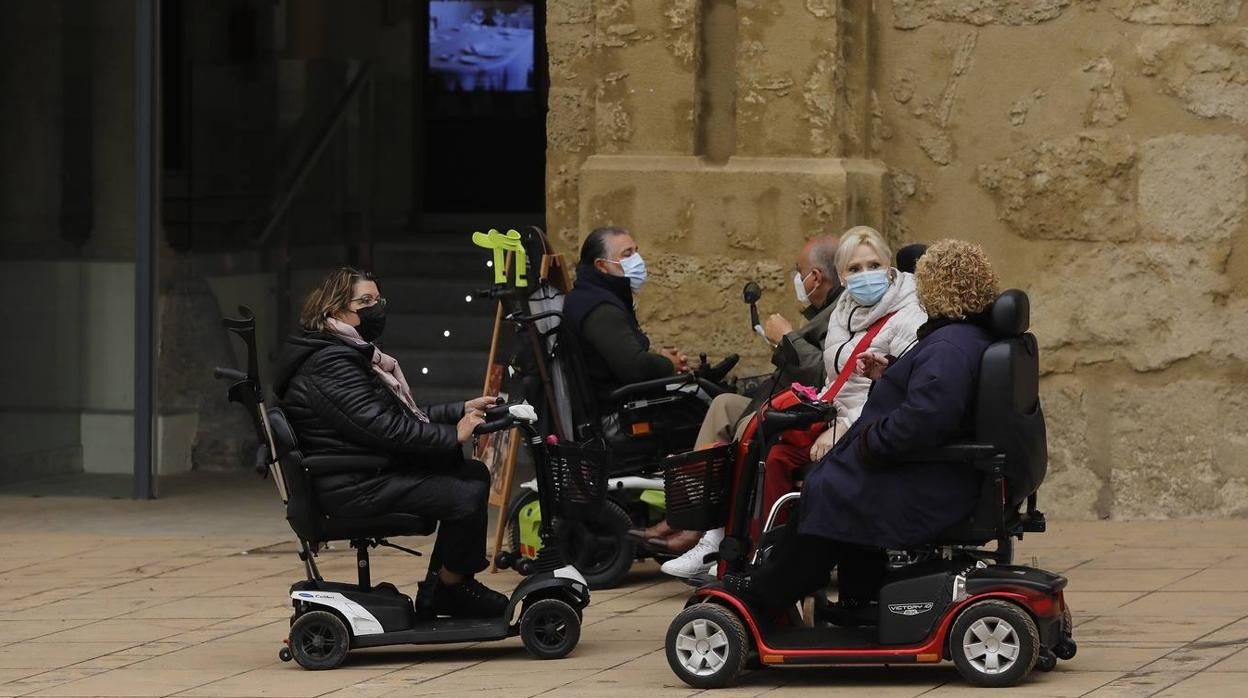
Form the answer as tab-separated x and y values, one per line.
723	134
1097	149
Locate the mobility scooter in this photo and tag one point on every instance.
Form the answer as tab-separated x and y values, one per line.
949	600
331	618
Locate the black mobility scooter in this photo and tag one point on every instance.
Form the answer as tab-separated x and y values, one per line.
331	618
950	600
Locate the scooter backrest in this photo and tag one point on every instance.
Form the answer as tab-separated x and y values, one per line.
283	435
1008	413
300	505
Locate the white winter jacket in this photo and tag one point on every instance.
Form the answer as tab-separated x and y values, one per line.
850	321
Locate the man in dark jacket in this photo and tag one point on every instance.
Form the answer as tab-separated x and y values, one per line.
869	492
343	396
798	353
599	310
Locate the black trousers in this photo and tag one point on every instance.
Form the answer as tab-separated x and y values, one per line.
800	565
458	499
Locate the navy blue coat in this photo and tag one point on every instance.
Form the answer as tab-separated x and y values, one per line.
859	493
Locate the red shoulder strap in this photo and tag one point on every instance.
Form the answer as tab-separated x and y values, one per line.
848	369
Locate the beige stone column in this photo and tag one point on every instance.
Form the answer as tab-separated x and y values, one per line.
723	133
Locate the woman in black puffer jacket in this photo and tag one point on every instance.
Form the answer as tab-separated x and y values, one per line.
343	395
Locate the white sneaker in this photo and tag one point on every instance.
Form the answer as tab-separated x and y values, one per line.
691	563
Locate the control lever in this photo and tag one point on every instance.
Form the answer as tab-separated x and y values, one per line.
751	294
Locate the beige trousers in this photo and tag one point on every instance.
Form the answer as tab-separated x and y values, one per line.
723	421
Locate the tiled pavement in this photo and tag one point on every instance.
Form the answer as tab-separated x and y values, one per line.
185	596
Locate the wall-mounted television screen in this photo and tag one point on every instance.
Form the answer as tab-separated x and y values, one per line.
481	46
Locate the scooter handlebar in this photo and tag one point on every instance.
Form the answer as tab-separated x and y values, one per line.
493	426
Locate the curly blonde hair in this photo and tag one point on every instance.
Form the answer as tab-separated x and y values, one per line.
954	279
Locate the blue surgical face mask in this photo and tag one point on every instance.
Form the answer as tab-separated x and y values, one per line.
868	287
634	270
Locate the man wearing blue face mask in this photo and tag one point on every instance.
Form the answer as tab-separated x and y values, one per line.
600	310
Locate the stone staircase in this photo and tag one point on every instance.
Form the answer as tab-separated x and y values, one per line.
440	338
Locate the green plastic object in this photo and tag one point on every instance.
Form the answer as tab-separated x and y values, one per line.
502	243
655	498
529	519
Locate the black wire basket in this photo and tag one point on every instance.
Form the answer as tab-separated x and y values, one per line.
579	474
696	486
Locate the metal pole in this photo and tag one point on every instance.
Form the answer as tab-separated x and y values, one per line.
146	137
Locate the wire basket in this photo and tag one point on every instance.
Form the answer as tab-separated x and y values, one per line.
696	485
579	474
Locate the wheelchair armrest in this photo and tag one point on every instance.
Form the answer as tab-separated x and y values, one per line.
324	465
656	385
982	456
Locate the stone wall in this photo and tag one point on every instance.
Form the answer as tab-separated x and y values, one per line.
1098	150
723	134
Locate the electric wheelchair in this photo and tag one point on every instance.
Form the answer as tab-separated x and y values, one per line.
639	425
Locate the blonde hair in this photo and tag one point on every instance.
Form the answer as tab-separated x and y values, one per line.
861	235
331	297
954	279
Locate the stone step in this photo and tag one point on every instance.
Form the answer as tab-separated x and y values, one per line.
437	296
445	368
424	331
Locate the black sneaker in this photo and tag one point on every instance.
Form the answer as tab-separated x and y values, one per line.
468	599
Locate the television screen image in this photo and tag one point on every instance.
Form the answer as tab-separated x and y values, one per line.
481	45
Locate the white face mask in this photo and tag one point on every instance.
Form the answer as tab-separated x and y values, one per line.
634	270
799	285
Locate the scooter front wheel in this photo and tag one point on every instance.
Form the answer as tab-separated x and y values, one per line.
550	628
707	646
319	640
994	643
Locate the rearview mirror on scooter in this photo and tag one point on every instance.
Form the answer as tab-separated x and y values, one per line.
750	294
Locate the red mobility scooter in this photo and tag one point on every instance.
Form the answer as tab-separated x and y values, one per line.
950	600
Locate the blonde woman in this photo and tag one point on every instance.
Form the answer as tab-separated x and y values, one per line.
879	306
343	395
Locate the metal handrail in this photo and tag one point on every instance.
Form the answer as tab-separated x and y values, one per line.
281	203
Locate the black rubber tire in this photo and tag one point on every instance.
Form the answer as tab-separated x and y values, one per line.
996	612
550	628
600	549
319	640
718	619
284	654
1047	661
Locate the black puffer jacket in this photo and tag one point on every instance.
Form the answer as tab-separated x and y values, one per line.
337	404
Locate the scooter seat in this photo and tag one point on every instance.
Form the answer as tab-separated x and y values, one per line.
378	526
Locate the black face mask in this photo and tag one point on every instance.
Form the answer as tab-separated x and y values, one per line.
372	322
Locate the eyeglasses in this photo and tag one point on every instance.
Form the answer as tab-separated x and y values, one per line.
369	301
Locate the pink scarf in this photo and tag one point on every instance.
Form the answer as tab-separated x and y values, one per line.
385	365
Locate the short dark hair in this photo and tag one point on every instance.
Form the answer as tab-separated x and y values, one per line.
908	257
595	245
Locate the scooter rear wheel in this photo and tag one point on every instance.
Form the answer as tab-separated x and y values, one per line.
707	646
319	640
994	643
550	628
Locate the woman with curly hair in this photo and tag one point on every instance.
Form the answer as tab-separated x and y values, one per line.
873	490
